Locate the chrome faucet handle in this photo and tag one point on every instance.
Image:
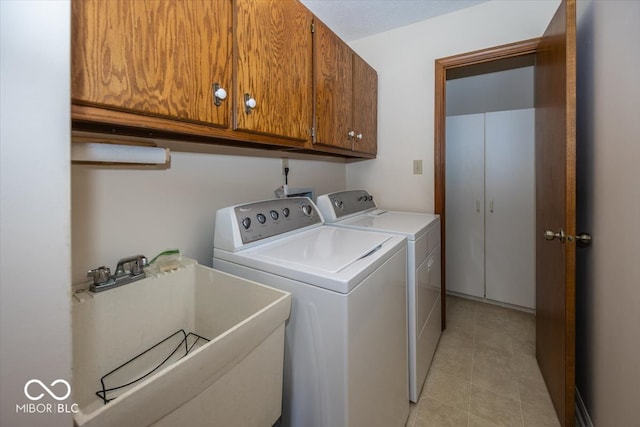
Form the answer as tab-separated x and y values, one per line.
127	270
132	266
99	275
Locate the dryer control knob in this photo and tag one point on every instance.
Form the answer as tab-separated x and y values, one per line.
306	209
261	218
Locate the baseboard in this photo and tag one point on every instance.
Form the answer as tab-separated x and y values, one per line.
582	415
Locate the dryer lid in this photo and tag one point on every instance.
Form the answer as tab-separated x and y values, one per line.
410	224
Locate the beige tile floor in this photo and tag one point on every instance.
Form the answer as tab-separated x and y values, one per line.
484	372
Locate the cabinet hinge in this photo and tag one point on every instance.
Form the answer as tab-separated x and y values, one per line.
313	27
312	132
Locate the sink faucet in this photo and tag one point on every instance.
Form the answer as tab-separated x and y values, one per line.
128	270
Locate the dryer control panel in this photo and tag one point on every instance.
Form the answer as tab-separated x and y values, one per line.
260	220
335	206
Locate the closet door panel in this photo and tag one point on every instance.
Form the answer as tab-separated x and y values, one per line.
465	204
510	207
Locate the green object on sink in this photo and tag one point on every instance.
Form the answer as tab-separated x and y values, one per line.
167	252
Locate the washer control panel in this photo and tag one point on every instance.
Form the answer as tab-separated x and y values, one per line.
345	203
268	218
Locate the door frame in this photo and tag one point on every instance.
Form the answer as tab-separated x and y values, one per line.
511	50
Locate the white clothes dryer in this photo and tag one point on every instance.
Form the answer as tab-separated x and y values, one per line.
346	337
356	209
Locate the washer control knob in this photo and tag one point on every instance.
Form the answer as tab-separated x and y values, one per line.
246	223
338	204
370	198
274	215
306	209
285	212
261	218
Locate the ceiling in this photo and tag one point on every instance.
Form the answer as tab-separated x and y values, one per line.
354	19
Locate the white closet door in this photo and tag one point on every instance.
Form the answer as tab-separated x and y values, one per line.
510	207
465	204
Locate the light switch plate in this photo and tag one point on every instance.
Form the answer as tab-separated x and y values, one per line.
417	167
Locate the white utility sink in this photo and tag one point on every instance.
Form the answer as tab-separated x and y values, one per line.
234	379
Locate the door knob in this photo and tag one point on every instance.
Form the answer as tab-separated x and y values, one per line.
583	239
550	235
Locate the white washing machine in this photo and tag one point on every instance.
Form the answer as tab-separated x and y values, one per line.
356	209
346	339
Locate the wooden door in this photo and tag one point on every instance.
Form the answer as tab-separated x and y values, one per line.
151	57
465	204
273	66
365	106
333	88
555	88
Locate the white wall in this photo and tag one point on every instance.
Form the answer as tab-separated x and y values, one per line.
404	59
497	91
608	273
120	212
35	303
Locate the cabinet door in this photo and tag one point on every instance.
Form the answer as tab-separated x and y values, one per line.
365	106
333	88
152	57
465	204
510	207
273	66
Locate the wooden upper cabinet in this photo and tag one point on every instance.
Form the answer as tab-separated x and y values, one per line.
333	89
157	58
150	68
272	57
365	106
346	95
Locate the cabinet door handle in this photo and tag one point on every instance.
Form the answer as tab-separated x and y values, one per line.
478	206
351	134
359	136
249	103
219	94
491	206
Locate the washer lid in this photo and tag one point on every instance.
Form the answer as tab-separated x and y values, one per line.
327	249
410	224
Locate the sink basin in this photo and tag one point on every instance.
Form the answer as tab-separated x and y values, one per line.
234	378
